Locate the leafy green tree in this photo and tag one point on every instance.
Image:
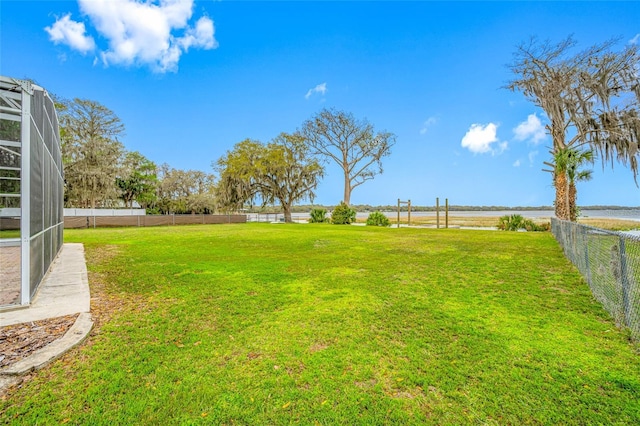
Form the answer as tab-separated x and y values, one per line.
591	98
281	171
352	144
185	191
138	180
91	152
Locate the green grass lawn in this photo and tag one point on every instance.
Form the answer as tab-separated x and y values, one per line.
320	324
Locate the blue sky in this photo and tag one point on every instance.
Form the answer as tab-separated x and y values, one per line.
189	79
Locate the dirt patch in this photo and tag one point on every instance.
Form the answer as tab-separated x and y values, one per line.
19	341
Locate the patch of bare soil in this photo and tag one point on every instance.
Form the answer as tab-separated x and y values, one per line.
21	340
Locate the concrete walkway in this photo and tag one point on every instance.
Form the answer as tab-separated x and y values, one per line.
64	291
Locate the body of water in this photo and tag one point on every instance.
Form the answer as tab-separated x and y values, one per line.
530	214
631	214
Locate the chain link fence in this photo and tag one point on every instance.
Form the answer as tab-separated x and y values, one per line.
610	263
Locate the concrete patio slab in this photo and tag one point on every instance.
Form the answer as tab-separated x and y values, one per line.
64	290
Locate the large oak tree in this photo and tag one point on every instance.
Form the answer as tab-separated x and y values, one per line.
91	152
591	98
281	171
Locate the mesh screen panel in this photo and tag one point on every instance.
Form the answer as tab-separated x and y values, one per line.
10	130
36	192
47	134
47	189
37	109
49	139
46	250
35	263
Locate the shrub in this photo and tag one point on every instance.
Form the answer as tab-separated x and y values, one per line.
378	219
511	223
516	222
343	215
318	216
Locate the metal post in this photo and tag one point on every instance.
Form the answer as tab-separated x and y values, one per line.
438	213
626	302
585	241
409	213
398	213
25	200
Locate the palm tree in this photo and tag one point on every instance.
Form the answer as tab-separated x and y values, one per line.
567	163
591	99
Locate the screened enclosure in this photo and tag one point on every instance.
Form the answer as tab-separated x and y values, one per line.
31	189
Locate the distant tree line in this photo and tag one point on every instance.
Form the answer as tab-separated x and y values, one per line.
100	172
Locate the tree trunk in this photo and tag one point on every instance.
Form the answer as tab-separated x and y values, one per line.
561	204
287	213
347	189
573	197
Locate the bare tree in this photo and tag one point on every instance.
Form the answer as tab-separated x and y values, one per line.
91	152
352	144
591	98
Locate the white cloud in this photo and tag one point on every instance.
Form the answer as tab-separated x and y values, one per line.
71	33
152	33
479	139
320	88
430	122
635	39
516	163
200	36
532	130
532	157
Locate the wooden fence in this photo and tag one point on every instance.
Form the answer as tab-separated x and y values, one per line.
150	220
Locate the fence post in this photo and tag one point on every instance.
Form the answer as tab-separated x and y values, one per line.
626	302
585	237
446	213
437	213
